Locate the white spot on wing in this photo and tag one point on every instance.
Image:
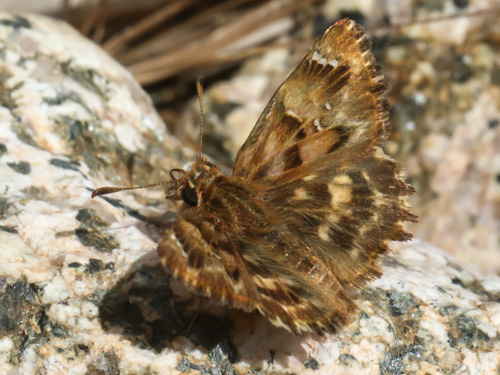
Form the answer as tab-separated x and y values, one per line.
310	177
178	243
300	193
334	63
291	113
317	123
323	232
341	194
342	179
333	218
363	37
349	25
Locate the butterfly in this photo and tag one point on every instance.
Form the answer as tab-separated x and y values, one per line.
313	201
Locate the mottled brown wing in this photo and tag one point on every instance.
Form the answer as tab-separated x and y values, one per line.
292	248
239	250
200	255
329	106
345	213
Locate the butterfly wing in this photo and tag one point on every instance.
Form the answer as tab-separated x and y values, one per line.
317	145
330	106
346	213
234	248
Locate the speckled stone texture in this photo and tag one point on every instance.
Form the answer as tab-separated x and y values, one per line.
81	287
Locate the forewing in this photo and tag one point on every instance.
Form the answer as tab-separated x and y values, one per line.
329	106
345	213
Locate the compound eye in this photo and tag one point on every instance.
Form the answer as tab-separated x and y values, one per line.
189	196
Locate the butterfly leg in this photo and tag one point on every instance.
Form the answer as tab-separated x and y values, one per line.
196	315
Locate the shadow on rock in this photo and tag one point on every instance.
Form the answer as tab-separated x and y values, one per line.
142	308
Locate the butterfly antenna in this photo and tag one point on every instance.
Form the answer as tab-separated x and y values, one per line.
199	89
110	189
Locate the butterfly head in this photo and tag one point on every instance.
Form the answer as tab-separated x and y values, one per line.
184	185
189	185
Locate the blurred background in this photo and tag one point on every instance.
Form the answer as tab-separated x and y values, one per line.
441	60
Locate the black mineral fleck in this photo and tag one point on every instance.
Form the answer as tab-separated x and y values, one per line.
17	22
89	218
95	265
312	364
398	358
107	363
464	332
20	316
400	303
22	167
63	164
5	228
99	241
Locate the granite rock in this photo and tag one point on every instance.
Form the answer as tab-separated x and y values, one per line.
81	287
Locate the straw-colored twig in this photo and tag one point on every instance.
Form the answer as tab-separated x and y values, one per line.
119	41
205	50
185	32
